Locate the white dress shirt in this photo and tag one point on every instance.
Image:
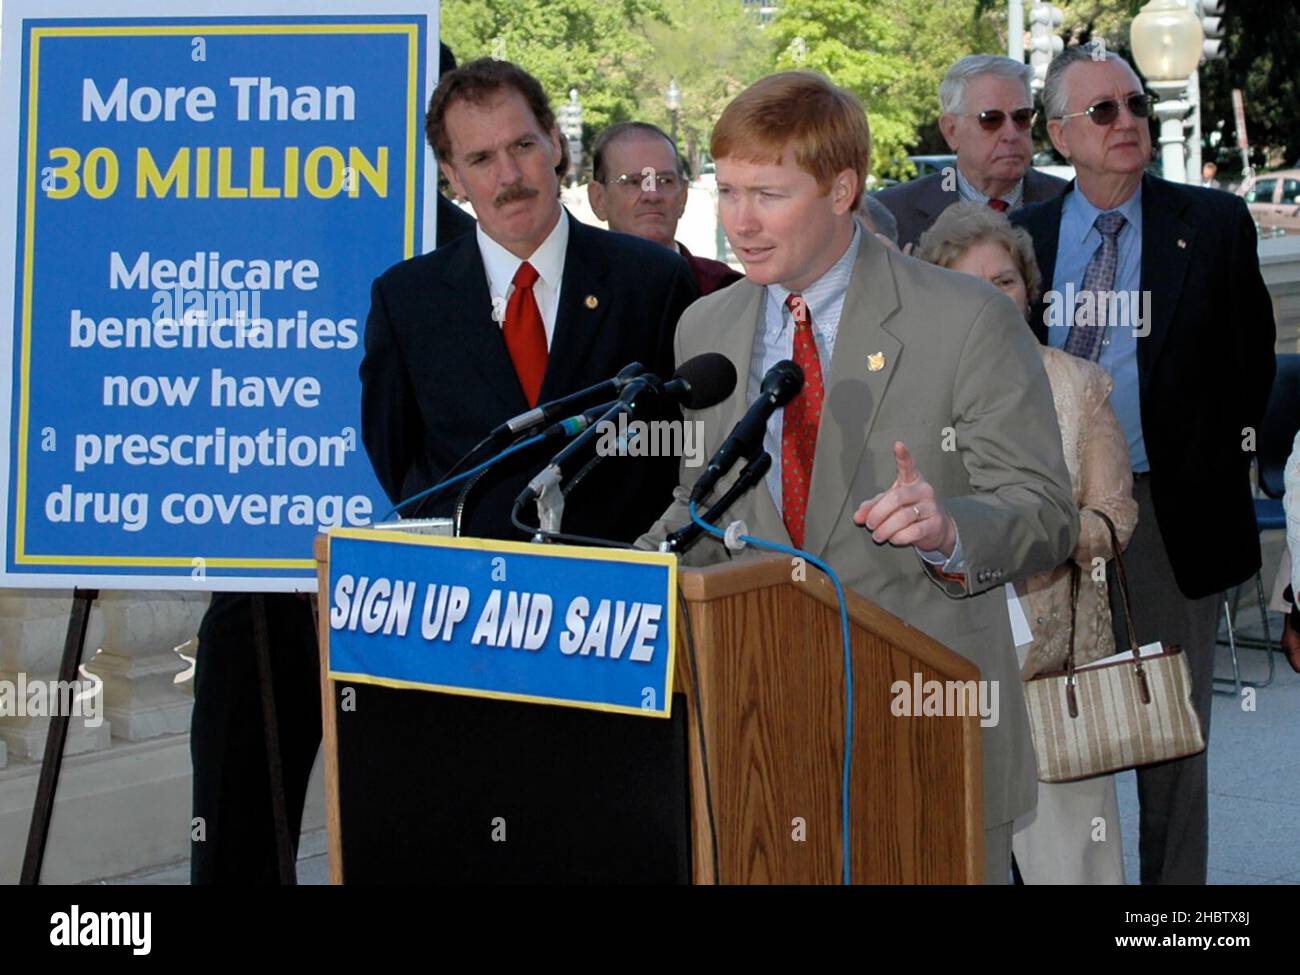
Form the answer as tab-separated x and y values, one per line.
547	260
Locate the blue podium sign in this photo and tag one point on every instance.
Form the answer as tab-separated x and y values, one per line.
583	627
195	196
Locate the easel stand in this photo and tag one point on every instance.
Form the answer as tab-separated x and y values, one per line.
74	646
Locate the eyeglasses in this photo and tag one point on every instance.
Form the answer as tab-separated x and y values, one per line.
1107	111
991	119
666	182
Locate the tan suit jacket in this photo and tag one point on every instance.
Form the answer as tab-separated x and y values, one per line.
919	350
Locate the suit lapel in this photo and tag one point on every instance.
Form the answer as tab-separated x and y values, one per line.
737	323
476	337
585	299
934	199
1167	241
864	360
1044	225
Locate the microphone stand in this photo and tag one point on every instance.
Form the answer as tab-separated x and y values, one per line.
753	472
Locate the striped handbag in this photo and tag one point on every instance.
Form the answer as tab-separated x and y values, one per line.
1114	715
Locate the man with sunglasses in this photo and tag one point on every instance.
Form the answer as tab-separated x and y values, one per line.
638	187
988	116
1192	373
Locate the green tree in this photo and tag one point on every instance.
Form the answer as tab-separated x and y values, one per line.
596	46
891	53
714	49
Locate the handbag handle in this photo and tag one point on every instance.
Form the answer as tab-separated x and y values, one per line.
1127	602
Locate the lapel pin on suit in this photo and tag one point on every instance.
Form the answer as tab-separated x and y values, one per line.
876	361
591	301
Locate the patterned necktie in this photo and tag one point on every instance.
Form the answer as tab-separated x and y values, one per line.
803	416
1084	340
1002	206
525	334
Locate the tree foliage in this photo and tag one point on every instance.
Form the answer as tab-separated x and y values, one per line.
595	46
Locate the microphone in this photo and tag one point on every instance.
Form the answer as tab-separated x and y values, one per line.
703	381
545	413
698	383
781	384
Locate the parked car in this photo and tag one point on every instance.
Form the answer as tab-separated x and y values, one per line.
925	165
1274	201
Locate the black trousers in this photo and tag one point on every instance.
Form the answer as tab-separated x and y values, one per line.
232	794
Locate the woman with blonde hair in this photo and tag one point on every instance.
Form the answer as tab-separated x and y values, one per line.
1062	841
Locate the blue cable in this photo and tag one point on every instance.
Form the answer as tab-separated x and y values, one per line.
466	475
847	774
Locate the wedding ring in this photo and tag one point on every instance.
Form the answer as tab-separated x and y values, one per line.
916	511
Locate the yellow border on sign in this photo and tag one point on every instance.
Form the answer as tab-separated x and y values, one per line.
21	557
583	552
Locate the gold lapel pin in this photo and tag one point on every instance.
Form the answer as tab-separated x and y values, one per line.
1182	243
876	361
592	301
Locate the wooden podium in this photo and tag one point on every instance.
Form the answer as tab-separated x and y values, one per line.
770	702
770	662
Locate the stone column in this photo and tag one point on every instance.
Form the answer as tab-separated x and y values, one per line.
140	663
33	624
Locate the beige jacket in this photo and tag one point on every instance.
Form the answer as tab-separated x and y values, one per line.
1096	452
935	359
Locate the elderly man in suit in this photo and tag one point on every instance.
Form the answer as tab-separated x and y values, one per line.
638	187
901	360
531	307
988	115
1192	377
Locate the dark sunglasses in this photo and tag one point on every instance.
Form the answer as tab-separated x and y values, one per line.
1106	111
991	119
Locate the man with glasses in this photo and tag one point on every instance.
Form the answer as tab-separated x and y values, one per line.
638	188
1192	368
988	115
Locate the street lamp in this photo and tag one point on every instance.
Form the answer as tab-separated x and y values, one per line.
570	123
673	99
1167	41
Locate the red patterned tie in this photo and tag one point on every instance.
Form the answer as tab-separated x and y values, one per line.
803	416
525	334
999	205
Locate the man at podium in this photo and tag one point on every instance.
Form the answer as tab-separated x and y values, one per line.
921	459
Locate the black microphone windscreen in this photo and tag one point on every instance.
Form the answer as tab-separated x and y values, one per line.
711	378
783	382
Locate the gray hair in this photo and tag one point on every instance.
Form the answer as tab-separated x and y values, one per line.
1055	97
953	88
880	219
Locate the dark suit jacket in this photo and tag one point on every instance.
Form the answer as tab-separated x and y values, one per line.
710	275
916	205
1204	371
437	377
452	221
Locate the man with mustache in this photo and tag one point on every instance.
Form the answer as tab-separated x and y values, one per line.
987	120
638	187
532	307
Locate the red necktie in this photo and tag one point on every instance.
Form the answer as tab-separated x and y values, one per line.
803	416
525	334
999	205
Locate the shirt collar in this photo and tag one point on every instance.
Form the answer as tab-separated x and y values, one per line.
967	191
831	287
547	259
1078	214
